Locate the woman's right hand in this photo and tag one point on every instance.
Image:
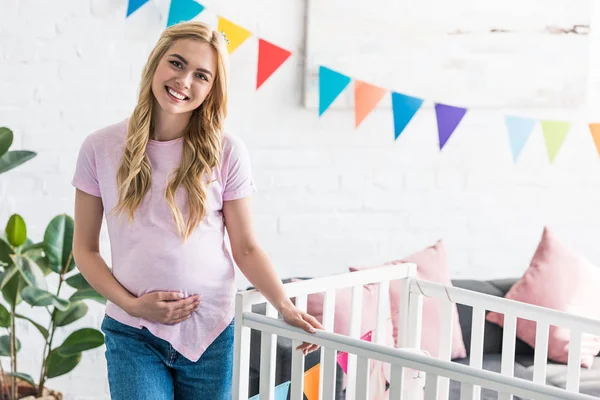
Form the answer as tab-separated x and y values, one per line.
164	307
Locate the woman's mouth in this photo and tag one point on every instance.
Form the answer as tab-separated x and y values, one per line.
173	94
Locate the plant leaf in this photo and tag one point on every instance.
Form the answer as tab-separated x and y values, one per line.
41	298
30	271
8	274
6	140
58	365
90	294
11	288
5	251
16	230
81	340
23	377
40	328
5	345
78	282
58	243
13	159
4	317
76	310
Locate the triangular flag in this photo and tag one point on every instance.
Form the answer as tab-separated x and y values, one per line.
183	10
342	357
235	34
519	130
311	382
331	84
595	130
404	107
448	118
555	133
133	5
366	97
281	392
270	57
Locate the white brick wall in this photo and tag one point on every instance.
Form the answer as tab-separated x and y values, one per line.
330	196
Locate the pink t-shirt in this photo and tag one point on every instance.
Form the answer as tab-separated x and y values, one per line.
149	255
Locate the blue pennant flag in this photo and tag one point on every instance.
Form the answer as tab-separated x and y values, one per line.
519	130
134	5
331	84
281	392
404	108
183	10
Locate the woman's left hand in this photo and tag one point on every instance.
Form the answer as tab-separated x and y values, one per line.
301	319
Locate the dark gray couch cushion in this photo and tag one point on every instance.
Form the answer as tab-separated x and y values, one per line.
492	342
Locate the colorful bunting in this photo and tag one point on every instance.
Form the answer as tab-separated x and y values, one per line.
311	382
133	5
366	97
595	130
270	57
183	10
234	33
281	392
331	84
342	357
448	118
404	108
519	130
555	133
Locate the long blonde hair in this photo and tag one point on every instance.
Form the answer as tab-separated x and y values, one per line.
202	137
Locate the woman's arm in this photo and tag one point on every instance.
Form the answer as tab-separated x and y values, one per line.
156	306
256	266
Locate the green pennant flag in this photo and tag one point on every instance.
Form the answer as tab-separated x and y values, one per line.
555	133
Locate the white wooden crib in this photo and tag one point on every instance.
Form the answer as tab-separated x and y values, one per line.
438	370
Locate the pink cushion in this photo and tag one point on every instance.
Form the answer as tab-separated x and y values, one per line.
562	280
341	324
431	266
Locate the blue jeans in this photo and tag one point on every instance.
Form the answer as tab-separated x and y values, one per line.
142	366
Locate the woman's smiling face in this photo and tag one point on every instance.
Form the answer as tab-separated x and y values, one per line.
184	76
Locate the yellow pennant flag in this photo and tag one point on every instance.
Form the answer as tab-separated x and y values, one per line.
311	382
235	34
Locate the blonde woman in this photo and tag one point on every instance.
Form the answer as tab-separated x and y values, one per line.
170	182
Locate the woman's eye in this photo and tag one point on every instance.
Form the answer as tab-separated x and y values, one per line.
200	76
176	63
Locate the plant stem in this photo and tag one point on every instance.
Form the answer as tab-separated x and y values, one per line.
51	329
13	352
1	380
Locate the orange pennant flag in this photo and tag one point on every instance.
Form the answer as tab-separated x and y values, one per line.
311	382
234	34
366	97
595	129
270	57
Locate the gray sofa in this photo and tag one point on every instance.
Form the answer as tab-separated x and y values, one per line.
556	373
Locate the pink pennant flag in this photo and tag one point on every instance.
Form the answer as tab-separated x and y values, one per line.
342	357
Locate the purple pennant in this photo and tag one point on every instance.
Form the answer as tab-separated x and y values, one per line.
448	118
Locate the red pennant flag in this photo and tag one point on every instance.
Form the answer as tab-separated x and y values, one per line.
270	57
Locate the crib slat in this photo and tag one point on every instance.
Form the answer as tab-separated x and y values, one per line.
574	367
362	378
396	382
383	311
509	337
328	356
355	327
540	361
415	320
297	383
411	273
431	387
469	391
242	351
445	347
268	349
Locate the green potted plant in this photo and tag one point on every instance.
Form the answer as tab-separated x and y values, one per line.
25	268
